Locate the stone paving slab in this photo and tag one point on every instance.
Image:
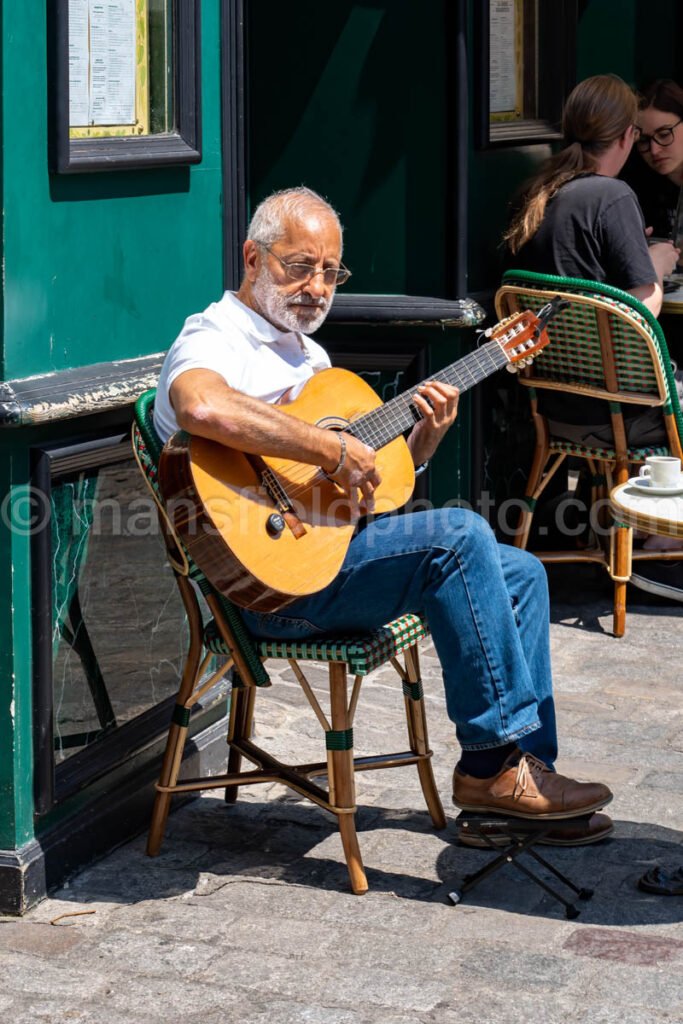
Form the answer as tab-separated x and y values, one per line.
246	915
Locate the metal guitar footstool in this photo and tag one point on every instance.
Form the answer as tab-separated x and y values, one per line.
517	837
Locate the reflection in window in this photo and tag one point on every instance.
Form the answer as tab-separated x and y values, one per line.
119	635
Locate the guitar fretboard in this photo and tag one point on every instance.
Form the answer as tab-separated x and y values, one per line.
382	425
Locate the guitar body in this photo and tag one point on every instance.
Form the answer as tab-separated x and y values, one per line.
217	502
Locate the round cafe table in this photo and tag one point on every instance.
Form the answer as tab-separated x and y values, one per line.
651	513
673	301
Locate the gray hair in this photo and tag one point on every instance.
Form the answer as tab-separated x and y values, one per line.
267	224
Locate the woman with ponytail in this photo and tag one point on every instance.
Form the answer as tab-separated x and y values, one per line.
576	218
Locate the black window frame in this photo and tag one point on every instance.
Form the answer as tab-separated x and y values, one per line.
183	146
556	55
56	783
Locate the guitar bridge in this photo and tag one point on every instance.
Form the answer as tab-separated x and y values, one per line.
280	499
276	492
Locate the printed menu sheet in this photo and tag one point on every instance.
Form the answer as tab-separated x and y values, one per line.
502	56
102	62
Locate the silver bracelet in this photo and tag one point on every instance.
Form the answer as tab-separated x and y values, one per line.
421	468
342	456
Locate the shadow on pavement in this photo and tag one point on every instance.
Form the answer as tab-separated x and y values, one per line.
210	845
583	594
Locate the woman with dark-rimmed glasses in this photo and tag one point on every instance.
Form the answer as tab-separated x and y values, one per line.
657	177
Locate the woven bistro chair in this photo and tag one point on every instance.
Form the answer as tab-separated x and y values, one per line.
346	656
606	345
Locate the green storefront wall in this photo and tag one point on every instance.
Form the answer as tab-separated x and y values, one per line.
105	265
97	267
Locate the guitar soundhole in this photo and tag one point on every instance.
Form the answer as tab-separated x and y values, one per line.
333	423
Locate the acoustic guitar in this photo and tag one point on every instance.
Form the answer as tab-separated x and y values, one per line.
266	531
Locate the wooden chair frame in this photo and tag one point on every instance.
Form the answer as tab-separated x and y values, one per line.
346	658
602	307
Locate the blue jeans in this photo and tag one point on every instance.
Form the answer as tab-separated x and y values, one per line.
486	605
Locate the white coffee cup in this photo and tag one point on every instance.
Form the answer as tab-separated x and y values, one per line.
662	470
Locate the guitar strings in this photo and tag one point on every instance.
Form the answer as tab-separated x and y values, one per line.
383	424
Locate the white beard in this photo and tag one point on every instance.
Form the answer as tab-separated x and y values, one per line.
277	308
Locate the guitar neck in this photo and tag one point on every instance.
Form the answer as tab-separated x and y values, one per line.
380	426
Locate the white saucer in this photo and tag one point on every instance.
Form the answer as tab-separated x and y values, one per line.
644	484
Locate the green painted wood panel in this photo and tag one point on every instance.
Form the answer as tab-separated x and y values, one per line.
16	798
636	39
356	111
99	266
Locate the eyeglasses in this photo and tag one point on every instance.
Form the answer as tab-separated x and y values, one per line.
301	272
663	137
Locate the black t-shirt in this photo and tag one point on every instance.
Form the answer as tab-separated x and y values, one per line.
593	229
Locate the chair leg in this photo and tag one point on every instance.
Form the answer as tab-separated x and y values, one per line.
418	736
170	768
531	493
177	733
623	543
342	779
242	700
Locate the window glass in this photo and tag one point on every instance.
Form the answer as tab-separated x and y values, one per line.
119	633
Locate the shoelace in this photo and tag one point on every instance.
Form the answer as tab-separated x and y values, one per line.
529	768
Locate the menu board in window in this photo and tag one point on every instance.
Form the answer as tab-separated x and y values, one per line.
126	84
108	68
506	57
525	65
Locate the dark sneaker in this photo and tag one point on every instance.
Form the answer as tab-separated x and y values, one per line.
526	788
598	827
662	578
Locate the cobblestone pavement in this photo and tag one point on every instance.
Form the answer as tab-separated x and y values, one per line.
246	915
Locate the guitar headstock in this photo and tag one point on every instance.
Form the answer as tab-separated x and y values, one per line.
523	335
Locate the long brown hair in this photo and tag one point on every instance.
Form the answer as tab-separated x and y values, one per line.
597	113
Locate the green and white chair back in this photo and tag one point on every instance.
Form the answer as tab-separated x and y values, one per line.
607	345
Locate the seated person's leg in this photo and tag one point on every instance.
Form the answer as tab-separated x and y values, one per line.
446	564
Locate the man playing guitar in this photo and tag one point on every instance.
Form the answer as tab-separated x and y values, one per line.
486	603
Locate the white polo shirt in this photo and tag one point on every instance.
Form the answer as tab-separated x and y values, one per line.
249	353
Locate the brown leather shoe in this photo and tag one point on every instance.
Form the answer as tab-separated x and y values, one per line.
599	826
526	788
